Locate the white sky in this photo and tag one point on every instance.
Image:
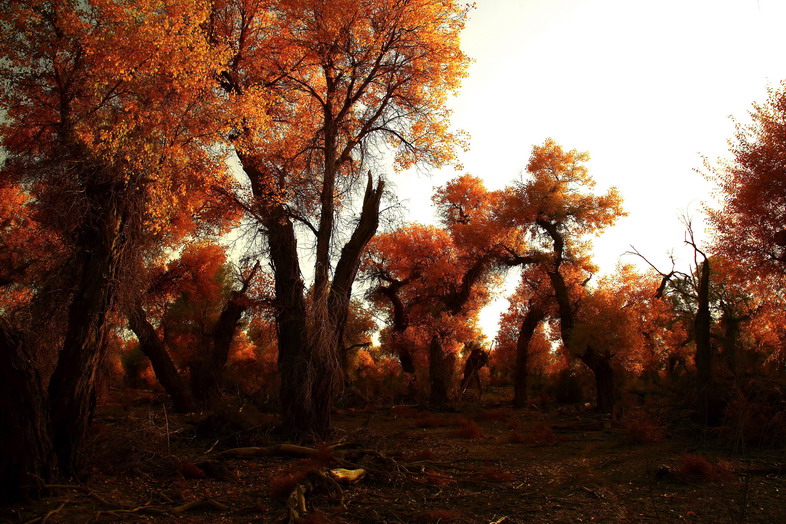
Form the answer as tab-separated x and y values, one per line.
646	87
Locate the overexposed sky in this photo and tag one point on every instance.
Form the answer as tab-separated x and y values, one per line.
646	87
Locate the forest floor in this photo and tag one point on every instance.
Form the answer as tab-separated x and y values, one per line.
484	463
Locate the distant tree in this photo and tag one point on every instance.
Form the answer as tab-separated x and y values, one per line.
198	308
690	292
749	225
436	280
555	203
530	305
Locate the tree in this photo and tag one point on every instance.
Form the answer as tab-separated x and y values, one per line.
749	224
530	305
341	80
556	204
417	273
198	308
110	137
691	292
436	280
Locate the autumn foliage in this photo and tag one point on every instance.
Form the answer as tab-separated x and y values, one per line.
192	198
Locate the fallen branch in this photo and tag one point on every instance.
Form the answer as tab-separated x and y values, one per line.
147	508
201	503
45	518
83	489
292	450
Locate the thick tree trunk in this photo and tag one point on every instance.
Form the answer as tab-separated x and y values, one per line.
521	372
439	376
400	325
165	370
704	378
349	262
600	364
405	358
297	411
72	386
27	461
605	384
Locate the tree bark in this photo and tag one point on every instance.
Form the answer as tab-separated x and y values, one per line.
605	384
207	370
704	378
400	325
599	364
27	460
297	411
100	242
163	367
349	262
438	372
534	316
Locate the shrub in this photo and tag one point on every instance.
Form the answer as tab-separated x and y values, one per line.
542	434
642	428
434	420
468	429
696	467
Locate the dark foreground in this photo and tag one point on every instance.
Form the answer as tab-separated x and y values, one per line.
484	464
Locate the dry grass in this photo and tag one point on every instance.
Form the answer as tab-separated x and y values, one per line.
404	412
420	454
468	429
642	428
440	515
495	474
434	420
699	468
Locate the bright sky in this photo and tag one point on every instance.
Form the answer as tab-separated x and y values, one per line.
646	87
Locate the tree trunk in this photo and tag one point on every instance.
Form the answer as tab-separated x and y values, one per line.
438	373
165	370
599	364
207	370
605	384
400	325
100	242
297	410
521	372
704	379
27	461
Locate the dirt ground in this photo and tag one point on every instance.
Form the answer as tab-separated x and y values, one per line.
483	463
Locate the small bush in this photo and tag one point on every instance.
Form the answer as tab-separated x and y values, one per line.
434	420
542	434
189	470
287	479
513	424
696	467
495	415
403	412
516	437
642	428
468	429
755	417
